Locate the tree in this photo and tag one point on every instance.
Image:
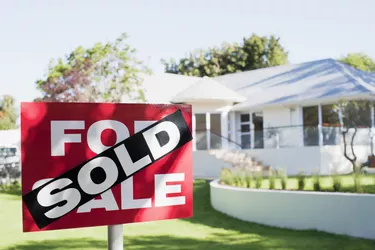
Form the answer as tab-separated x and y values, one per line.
8	114
359	61
105	72
255	52
355	114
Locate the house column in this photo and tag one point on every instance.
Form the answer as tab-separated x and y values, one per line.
372	129
224	129
208	130
320	125
193	122
232	118
300	126
252	132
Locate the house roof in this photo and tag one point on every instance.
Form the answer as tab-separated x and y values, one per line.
305	83
313	81
161	88
207	89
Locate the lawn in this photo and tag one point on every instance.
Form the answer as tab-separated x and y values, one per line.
208	229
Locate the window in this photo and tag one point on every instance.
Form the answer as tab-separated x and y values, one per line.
245	130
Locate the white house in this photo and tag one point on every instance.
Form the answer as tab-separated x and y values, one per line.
278	115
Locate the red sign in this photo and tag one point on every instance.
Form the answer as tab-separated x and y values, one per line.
96	164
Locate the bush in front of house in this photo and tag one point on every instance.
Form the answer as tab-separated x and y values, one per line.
279	180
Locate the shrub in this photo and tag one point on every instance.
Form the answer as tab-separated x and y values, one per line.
357	183
249	180
283	178
316	182
272	180
336	179
258	180
226	176
301	178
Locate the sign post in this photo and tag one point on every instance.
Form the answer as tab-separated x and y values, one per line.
115	237
104	164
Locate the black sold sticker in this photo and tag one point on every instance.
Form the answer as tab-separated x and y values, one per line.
63	194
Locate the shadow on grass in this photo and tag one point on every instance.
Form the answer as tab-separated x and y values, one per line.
181	243
236	235
206	215
11	190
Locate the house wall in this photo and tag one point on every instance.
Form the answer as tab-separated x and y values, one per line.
287	122
332	158
293	160
325	159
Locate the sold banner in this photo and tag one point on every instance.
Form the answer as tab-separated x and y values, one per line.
96	164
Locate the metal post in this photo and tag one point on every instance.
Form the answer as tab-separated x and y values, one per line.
115	237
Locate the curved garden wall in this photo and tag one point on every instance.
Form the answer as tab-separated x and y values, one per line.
340	213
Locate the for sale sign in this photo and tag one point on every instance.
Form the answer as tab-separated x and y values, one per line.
95	164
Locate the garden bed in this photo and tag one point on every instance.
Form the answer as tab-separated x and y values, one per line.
339	212
352	183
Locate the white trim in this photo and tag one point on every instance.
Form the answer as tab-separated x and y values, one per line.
320	125
208	130
224	130
304	103
252	135
193	121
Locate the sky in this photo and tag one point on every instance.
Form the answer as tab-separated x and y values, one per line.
34	32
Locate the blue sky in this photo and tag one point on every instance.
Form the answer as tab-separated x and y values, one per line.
33	32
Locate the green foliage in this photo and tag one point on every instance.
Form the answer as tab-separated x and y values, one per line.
8	113
316	182
301	178
258	180
336	183
272	180
255	52
226	176
283	178
11	188
359	61
249	180
105	72
357	177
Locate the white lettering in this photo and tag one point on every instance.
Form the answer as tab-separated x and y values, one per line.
139	125
46	199
128	201
107	201
84	175
162	189
93	134
156	149
127	163
59	138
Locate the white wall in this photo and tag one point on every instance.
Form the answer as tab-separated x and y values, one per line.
348	214
287	121
326	160
207	166
332	158
203	107
10	137
293	160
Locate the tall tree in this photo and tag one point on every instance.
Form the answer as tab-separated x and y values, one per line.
359	61
253	53
8	113
105	72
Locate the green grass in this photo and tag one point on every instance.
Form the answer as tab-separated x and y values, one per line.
326	183
208	230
